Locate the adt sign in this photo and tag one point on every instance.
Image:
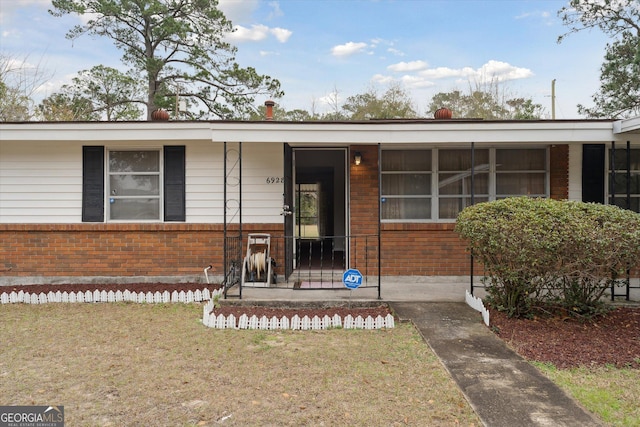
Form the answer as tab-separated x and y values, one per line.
352	278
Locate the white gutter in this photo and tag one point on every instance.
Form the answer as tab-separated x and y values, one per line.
627	126
319	133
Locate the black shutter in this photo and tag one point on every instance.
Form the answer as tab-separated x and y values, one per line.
174	183
593	172
92	184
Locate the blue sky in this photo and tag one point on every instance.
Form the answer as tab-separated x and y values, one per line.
319	47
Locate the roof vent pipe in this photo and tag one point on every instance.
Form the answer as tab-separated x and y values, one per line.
269	114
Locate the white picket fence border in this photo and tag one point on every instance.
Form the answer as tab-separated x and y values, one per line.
198	295
477	304
210	319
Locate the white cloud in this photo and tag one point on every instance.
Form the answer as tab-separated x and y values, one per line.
408	81
238	11
503	71
416	82
396	52
348	49
407	66
332	98
546	17
256	33
281	34
446	72
275	10
382	79
537	14
418	76
492	70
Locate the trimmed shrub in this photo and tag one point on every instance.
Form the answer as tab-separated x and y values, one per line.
537	251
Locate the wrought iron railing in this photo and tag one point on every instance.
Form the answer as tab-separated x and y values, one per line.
313	264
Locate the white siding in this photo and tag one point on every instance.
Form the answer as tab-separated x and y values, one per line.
261	202
40	182
575	172
204	182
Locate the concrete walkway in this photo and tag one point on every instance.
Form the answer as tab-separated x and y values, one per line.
502	388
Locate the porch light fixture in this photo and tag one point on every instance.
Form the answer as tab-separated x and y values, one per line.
357	158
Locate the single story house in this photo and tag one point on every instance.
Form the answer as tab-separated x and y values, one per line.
163	200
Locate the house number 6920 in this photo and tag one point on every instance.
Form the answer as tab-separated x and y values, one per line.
275	180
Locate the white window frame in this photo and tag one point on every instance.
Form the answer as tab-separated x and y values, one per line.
435	194
159	173
429	197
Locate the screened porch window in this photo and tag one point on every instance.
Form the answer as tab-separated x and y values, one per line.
436	184
627	174
454	180
521	172
406	184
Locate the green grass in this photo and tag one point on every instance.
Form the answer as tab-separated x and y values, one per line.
157	365
611	394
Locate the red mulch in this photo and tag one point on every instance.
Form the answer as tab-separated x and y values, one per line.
611	339
237	311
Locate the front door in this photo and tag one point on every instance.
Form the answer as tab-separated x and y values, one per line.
318	226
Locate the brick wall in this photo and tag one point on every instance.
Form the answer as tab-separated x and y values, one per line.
114	249
171	249
424	250
421	249
363	206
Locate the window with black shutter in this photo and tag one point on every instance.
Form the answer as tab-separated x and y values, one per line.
92	184
142	185
174	183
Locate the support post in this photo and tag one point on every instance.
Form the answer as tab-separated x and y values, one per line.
473	201
379	219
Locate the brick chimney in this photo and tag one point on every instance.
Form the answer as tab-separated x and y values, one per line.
269	104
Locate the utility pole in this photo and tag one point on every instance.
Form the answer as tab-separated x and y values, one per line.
553	99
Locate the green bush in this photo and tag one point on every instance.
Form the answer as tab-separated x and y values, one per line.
542	251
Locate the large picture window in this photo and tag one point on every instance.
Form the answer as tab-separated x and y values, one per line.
436	184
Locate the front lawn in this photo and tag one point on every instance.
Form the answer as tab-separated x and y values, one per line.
145	364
